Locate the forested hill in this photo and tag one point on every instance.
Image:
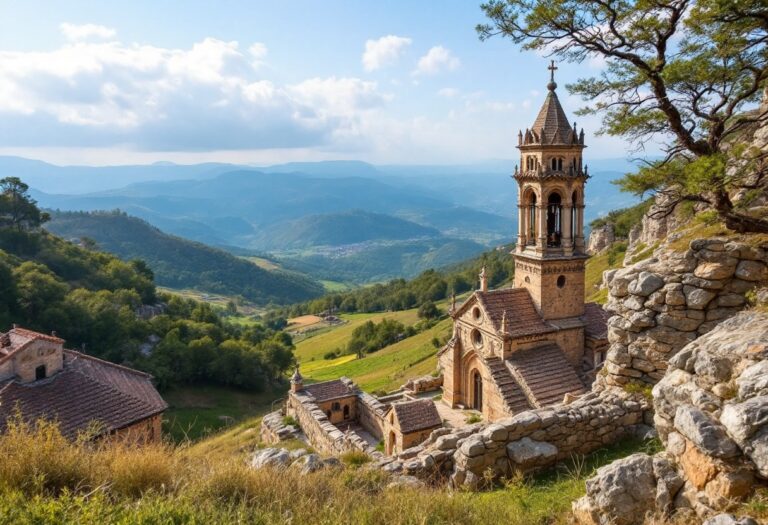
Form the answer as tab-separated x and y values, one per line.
335	229
180	263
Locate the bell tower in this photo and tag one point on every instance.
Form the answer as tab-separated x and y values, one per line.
550	255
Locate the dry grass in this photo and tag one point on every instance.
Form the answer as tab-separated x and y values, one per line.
46	479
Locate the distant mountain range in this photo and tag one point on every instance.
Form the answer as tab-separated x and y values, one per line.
330	217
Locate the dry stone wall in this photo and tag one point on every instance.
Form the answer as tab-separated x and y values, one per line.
526	441
661	304
273	430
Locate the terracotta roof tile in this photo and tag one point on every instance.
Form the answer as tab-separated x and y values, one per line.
522	316
328	390
31	334
546	372
86	390
596	319
420	414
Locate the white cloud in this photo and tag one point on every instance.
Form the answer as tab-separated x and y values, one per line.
207	97
437	59
448	92
384	52
258	53
74	32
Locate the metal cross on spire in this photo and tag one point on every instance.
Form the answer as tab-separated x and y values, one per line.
552	68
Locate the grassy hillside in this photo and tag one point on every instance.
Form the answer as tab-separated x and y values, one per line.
46	479
179	263
337	229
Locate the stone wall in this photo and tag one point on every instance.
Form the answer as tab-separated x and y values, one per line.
526	441
273	430
370	413
321	433
663	303
711	412
423	384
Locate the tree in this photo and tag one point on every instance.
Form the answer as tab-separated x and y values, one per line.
678	72
428	310
17	209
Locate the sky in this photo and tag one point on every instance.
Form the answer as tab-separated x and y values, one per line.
395	82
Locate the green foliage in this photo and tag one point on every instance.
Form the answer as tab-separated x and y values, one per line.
355	458
623	220
290	421
474	418
428	310
180	263
90	299
370	337
399	294
18	211
616	253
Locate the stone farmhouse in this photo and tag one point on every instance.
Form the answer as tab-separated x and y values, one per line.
39	378
531	345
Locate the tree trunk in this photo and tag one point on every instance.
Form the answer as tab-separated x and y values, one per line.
735	221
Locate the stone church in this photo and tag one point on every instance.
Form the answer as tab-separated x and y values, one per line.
529	346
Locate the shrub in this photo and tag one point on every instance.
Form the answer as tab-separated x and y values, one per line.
290	421
474	418
355	458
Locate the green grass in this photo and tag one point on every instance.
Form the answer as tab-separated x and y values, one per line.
196	412
324	341
335	286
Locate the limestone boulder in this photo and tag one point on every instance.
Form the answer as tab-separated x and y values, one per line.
645	284
621	493
270	457
527	451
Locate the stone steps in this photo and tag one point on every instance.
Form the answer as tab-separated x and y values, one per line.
545	373
513	396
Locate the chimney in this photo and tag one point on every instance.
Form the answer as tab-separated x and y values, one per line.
483	281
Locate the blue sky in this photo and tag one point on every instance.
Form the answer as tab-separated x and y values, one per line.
267	82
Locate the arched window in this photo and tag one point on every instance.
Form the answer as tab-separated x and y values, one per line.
532	218
336	406
557	164
346	411
477	391
554	219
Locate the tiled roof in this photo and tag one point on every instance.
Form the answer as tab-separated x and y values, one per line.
86	390
546	372
596	319
551	124
329	390
30	334
522	318
420	414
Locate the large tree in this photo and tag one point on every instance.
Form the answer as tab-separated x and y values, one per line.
677	72
17	209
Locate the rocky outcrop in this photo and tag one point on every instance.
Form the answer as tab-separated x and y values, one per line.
663	303
600	238
711	412
280	458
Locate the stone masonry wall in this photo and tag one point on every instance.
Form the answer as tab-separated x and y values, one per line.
663	303
528	440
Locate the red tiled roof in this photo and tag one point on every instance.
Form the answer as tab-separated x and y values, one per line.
522	316
31	334
86	390
546	372
328	390
420	414
596	319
